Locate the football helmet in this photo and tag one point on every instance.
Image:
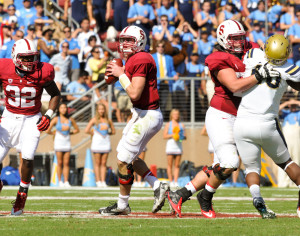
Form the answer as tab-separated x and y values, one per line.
277	49
231	36
25	55
132	39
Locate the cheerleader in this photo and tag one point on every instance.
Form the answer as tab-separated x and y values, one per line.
100	127
62	143
174	131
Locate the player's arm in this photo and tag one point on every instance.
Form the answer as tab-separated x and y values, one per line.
51	88
87	129
294	85
76	128
52	123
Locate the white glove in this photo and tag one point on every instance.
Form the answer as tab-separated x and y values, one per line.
283	74
270	71
264	72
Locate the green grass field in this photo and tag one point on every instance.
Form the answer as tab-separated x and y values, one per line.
74	212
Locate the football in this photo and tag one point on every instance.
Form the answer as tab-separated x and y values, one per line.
110	79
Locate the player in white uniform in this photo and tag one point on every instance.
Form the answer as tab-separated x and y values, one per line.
257	127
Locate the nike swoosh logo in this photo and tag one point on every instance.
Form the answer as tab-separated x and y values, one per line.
208	214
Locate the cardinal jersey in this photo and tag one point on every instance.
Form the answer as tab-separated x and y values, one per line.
263	99
142	64
23	94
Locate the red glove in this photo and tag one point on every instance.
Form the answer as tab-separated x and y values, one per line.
43	123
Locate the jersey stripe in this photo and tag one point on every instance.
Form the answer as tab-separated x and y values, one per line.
295	71
250	55
291	69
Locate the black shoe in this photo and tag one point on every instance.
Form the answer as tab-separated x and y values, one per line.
160	196
113	210
205	200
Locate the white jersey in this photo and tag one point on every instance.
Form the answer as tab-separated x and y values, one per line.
263	100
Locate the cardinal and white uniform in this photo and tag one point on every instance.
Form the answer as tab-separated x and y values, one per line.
18	126
146	118
257	125
221	114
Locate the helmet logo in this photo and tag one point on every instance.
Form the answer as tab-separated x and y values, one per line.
221	31
142	35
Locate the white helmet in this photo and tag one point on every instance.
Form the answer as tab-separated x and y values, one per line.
231	36
135	33
25	48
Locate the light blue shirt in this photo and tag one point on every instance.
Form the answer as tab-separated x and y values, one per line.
75	87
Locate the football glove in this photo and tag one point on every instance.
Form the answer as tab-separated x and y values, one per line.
43	123
264	72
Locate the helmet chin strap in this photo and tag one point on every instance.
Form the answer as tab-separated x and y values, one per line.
20	72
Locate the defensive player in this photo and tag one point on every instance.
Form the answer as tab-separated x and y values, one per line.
138	79
226	68
23	79
257	127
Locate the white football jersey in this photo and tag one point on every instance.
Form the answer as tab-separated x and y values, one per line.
264	99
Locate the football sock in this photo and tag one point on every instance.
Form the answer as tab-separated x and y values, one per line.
184	193
123	201
151	179
209	188
189	186
24	187
255	190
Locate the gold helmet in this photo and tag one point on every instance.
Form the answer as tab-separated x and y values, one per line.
277	49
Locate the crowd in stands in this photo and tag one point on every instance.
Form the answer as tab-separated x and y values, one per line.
181	33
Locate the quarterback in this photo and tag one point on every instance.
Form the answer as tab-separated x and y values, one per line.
23	79
257	127
138	79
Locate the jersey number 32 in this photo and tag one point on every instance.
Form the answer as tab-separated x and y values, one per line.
22	97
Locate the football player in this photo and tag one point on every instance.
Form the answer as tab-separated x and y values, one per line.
138	78
23	79
226	69
257	126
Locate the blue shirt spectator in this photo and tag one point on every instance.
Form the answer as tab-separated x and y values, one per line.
294	35
186	8
204	47
7	47
168	10
26	13
120	19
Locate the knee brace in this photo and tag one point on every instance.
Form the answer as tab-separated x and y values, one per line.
207	170
128	178
219	172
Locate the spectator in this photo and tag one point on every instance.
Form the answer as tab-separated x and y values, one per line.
3	14
62	142
212	38
257	35
102	128
62	64
291	131
11	10
26	13
83	34
288	18
165	68
6	34
7	47
73	51
47	45
120	19
39	17
206	19
179	54
97	64
142	15
173	14
92	42
31	34
99	12
258	15
76	88
78	10
186	8
188	35
228	13
294	37
174	131
164	30
274	13
123	102
203	46
13	23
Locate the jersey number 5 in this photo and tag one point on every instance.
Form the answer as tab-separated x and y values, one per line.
20	96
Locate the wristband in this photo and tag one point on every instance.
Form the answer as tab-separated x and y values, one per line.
49	113
124	81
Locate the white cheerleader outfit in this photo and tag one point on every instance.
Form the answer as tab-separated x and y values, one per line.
101	139
174	147
62	142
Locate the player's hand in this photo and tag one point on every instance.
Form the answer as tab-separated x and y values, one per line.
43	123
264	72
114	69
283	74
